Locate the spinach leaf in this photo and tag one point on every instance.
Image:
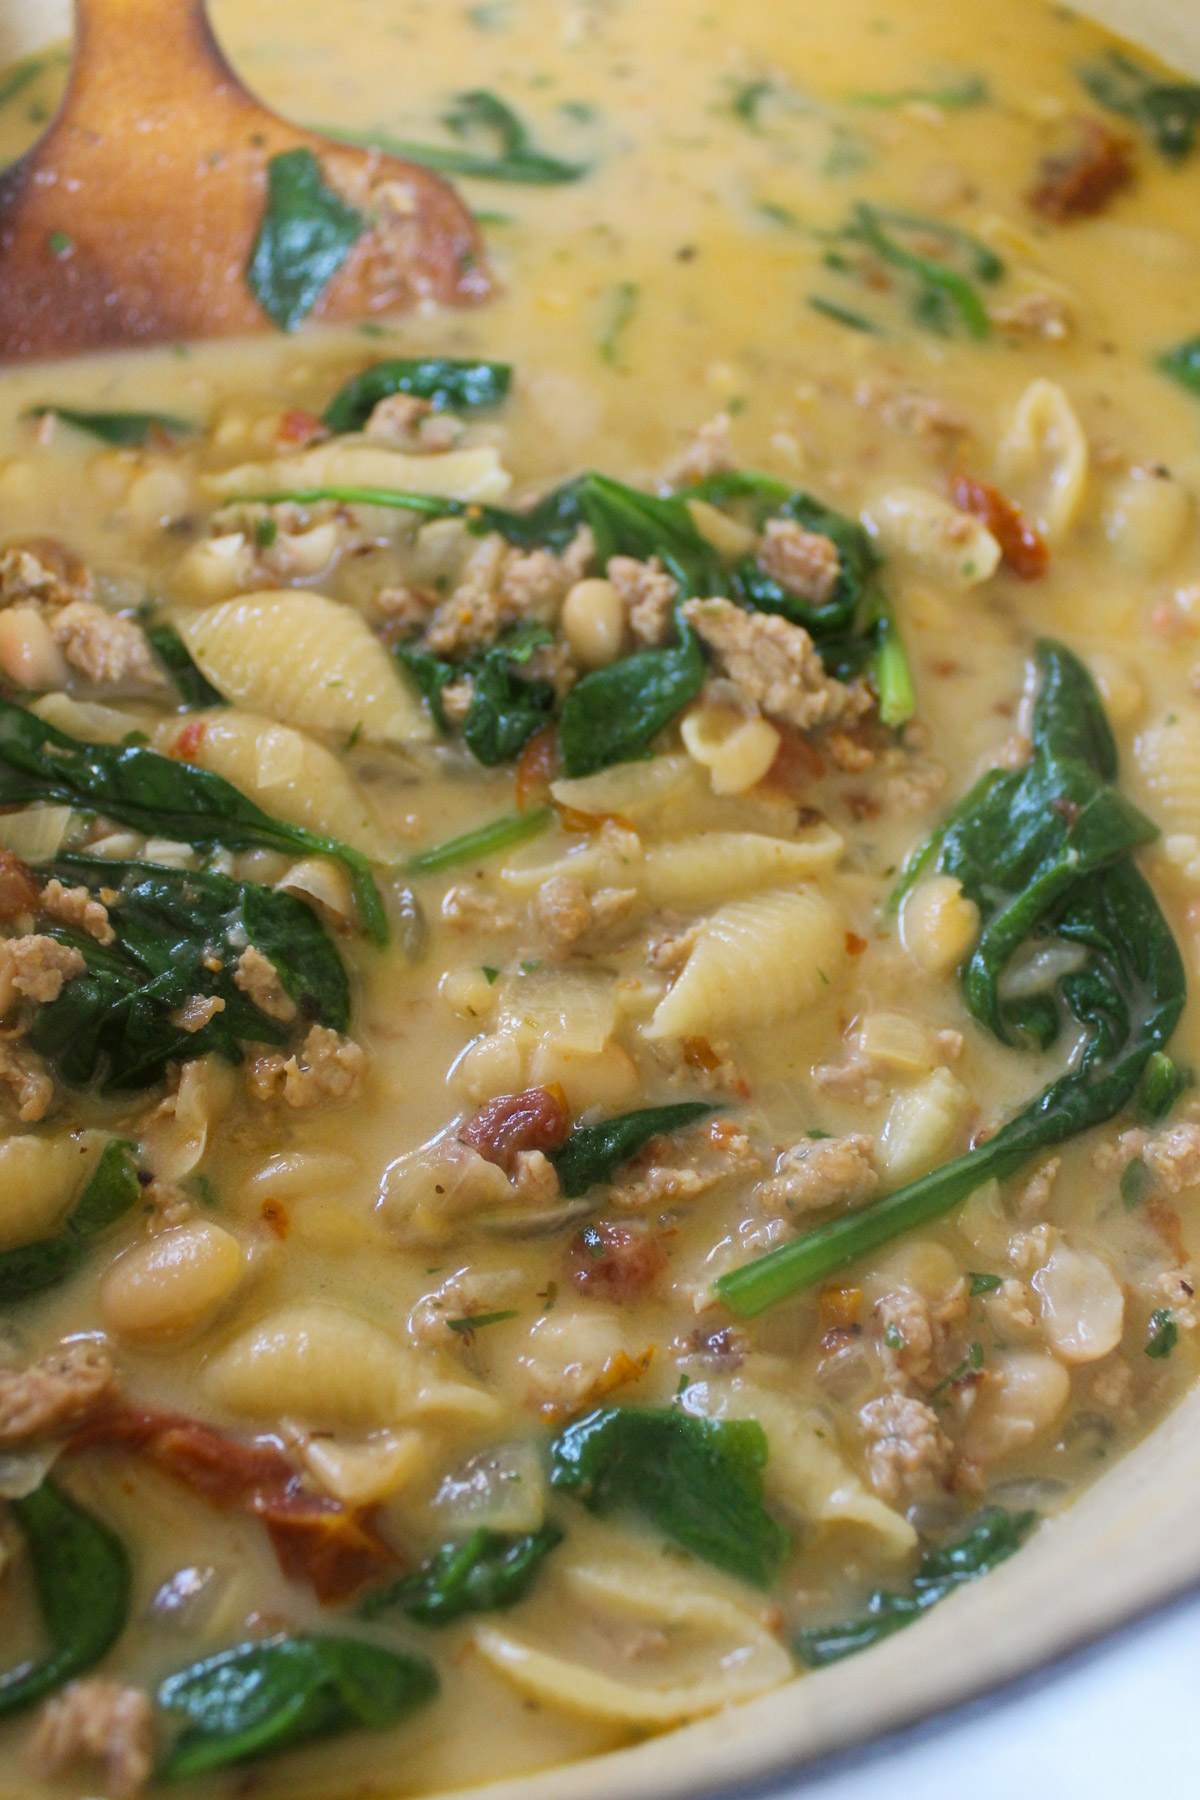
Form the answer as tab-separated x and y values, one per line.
159	797
82	1578
194	687
621	305
1162	1085
430	673
592	1154
763	498
110	1191
614	714
506	708
306	233
1167	111
1045	852
515	158
449	383
844	315
943	264
485	840
117	1020
991	1540
262	1698
698	1480
1163	1334
1182	364
483	1573
24	74
125	429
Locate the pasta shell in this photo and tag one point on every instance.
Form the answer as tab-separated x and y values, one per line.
323	1365
303	660
754	963
805	1470
458	474
720	1649
1168	757
290	775
39	1177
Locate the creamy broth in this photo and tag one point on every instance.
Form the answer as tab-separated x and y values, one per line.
313	1240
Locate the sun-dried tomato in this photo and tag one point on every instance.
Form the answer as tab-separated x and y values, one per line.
1024	548
333	1548
1079	183
222	1468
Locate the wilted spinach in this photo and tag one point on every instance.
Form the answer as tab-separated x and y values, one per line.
1182	364
592	1154
485	1572
613	714
110	1191
942	264
1045	852
515	157
991	1539
448	383
82	1578
506	708
1167	111
262	1698
159	797
118	1020
306	233
124	429
485	840
698	1480
195	689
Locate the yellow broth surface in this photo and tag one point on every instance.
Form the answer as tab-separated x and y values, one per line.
313	1238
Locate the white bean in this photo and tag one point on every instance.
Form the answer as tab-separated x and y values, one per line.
1083	1306
172	1283
593	620
1024	1392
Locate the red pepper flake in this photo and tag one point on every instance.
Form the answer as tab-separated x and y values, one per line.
186	747
275	1214
1024	548
855	945
299	426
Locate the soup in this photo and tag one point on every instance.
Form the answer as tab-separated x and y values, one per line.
595	1043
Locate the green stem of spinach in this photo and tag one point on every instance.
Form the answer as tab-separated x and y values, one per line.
486	840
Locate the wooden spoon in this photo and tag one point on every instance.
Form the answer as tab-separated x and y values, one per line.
133	218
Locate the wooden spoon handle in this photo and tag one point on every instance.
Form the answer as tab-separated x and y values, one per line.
154	53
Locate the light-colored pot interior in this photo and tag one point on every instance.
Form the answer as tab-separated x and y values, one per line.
1131	1542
